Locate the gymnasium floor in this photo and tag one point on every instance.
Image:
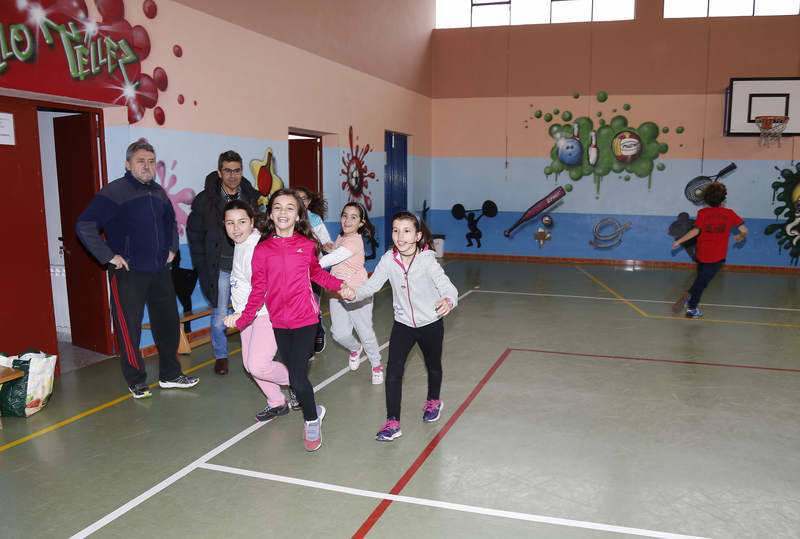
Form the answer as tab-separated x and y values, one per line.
575	406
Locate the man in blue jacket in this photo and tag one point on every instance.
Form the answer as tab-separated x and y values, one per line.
141	239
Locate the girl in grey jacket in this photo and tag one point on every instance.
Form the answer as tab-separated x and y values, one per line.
421	295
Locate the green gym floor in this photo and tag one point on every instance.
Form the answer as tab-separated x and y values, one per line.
575	406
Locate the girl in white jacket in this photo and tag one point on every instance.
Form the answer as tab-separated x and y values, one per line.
422	294
258	339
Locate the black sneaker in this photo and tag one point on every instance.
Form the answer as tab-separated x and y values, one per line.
292	401
181	381
319	343
271	413
140	391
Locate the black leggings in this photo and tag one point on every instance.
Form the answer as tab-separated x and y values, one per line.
401	342
295	347
705	272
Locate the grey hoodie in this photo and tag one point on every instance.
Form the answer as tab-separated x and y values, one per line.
415	290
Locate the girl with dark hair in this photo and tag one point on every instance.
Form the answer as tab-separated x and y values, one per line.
258	339
347	261
422	294
284	263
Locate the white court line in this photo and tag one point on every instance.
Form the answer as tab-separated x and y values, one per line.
447	505
632	300
202	460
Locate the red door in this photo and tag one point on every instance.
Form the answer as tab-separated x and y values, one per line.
305	159
78	169
26	317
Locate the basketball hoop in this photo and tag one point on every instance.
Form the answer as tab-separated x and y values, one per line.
771	127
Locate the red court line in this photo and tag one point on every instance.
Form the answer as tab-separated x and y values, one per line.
384	505
709	364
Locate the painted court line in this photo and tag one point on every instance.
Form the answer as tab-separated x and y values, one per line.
202	460
444	505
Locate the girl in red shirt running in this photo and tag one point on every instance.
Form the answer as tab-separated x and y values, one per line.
713	225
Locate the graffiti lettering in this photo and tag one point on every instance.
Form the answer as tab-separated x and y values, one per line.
86	56
18	34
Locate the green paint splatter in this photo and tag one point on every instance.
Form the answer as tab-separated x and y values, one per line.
602	122
660	166
788	187
538	113
602	96
576	95
599	113
566	116
681	145
556	112
627	178
679	129
665	130
613	110
548	117
568	188
626	107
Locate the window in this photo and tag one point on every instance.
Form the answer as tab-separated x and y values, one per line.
466	13
729	8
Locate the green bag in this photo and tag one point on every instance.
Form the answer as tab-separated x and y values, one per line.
14	393
27	395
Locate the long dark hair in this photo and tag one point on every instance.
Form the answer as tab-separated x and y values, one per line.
367	229
302	226
425	240
316	204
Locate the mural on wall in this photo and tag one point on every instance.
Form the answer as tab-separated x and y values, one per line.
542	236
267	180
356	173
581	150
541	205
788	232
56	47
608	233
681	226
185	196
489	209
696	187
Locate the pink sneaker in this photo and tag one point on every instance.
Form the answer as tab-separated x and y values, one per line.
377	375
354	358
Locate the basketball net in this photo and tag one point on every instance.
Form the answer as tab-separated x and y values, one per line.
771	127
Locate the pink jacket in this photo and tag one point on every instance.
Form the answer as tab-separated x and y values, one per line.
282	272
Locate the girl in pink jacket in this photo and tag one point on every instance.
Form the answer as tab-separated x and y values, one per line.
284	264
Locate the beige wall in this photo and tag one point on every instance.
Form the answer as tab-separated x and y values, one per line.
388	39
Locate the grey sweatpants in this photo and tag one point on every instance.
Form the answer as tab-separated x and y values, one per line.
358	315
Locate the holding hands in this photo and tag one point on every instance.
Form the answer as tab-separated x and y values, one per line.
443	306
347	293
230	320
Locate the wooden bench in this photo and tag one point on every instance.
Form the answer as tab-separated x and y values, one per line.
184	345
6	375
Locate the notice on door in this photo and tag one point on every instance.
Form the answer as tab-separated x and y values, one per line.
7	129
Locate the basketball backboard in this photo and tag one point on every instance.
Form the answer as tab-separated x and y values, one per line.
751	97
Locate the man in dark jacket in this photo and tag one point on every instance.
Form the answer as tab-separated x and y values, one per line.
137	218
212	250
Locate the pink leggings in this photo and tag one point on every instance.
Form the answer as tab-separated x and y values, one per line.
258	351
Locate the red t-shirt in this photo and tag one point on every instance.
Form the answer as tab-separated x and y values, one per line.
715	226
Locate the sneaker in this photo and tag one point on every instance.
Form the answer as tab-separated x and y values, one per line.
140	391
294	404
681	303
354	358
271	413
432	410
319	342
377	375
389	431
694	313
181	381
312	430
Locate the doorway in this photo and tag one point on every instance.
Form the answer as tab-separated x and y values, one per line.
305	161
396	174
71	150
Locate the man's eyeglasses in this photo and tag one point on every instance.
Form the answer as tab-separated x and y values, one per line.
230	171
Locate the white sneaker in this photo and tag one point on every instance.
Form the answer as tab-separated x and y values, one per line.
354	358
377	375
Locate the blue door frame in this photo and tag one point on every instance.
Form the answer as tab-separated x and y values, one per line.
396	186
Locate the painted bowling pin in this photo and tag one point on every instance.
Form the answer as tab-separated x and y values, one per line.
593	150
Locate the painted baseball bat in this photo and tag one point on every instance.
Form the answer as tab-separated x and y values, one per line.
537	208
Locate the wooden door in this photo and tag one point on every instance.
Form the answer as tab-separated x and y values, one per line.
305	163
26	316
78	169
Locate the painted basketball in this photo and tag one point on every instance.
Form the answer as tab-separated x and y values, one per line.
626	146
547	221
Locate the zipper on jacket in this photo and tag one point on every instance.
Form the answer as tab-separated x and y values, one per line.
408	292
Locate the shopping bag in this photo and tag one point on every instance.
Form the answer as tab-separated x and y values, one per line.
29	394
